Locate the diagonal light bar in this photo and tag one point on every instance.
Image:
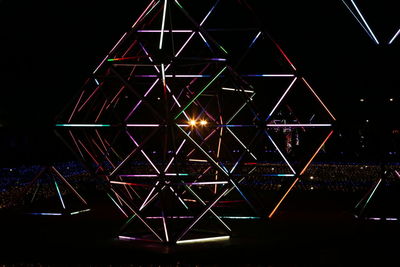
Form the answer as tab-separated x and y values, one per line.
394	37
59	194
205	87
280	100
176	153
358	20
145	11
365	22
204	152
279	151
320	101
284	196
144	154
163	24
241	143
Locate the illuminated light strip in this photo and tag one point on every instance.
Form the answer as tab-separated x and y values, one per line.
240	217
79	211
320	101
101	63
285	56
165	229
170	217
101	111
68	185
267	75
138	175
282	97
45	213
206	183
163	24
119	41
202	214
140	101
198	160
394	37
204	152
176	174
300	125
205	87
144	12
372	193
75	107
355	16
397	173
365	22
59	194
240	142
284	196
158	31
96	81
236	90
208	14
150	58
204	40
279	151
203	240
148	196
127	183
82	125
176	153
144	154
116	96
177	102
163	75
123	212
204	204
184	45
240	109
316	152
280	174
179	198
87	100
140	218
255	39
76	144
142	125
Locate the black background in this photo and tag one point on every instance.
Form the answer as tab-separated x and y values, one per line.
48	48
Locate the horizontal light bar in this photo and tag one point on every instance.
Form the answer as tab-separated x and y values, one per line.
138	175
82	125
142	125
206	183
176	174
198	160
45	213
240	217
158	31
170	217
79	211
126	183
202	240
237	90
268	75
278	174
300	125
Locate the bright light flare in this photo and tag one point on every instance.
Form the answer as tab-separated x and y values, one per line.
203	122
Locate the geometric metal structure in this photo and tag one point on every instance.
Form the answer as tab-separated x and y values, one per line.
357	14
183	110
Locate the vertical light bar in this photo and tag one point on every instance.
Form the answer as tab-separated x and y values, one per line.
59	194
165	228
163	75
284	196
320	101
365	22
283	96
394	37
163	24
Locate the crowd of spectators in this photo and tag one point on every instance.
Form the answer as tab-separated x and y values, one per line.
334	177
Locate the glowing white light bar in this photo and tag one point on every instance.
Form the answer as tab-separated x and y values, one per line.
279	151
237	90
365	22
206	183
268	75
240	217
202	240
82	125
300	125
144	12
394	37
45	213
79	211
163	24
255	39
283	96
176	174
355	16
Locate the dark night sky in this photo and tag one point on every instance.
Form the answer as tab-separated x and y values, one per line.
48	48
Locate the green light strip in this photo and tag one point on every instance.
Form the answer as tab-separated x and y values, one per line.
194	99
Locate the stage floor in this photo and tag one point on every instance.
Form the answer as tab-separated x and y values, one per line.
311	229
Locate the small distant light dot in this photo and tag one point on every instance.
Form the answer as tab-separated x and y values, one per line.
312	187
391	99
203	122
311	177
158	98
366	120
11	170
362	99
